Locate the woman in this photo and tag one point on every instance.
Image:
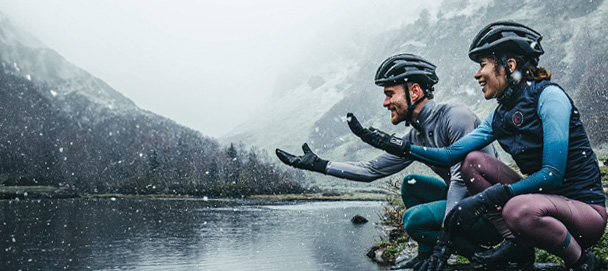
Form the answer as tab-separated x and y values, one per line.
407	82
560	205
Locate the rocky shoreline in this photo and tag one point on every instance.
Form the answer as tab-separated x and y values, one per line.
36	192
396	245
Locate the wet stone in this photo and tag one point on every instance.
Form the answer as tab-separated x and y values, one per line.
357	219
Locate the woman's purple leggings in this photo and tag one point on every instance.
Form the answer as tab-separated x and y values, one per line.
551	222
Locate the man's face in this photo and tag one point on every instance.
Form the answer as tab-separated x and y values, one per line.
396	102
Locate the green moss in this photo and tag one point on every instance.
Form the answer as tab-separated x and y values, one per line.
604	170
391	249
543	256
392	213
394	210
600	249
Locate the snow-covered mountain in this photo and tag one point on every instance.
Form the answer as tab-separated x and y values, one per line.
311	107
62	126
55	115
24	55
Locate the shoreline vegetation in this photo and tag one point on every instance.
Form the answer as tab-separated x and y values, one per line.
394	241
396	244
52	192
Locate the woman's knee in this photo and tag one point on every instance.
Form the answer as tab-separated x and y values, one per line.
520	213
470	164
474	157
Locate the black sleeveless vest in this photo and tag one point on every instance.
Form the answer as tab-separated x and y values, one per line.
519	130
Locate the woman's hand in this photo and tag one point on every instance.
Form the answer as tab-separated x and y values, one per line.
466	212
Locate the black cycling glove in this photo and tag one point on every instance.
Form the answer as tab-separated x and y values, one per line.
465	213
308	161
379	139
441	252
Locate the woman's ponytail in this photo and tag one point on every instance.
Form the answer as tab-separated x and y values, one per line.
539	73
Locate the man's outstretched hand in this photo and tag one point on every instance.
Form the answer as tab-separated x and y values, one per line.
377	138
308	161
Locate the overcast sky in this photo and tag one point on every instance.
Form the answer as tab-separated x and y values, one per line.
205	64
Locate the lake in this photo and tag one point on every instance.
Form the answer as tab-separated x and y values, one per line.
185	234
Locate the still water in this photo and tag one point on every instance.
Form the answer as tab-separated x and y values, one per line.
185	234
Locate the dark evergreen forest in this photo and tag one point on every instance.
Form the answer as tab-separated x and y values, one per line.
135	153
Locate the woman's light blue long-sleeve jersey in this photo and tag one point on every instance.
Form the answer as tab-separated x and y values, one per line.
554	109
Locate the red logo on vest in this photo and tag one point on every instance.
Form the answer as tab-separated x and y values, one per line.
518	118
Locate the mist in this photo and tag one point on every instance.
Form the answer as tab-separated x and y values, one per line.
210	64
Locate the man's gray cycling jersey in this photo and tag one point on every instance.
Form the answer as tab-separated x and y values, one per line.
437	125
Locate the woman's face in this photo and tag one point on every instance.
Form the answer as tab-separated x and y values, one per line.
492	83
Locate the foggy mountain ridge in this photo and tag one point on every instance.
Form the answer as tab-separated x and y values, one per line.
54	114
575	53
61	126
26	56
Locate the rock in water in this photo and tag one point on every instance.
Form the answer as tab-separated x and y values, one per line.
357	219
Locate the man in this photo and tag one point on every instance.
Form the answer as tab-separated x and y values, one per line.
408	82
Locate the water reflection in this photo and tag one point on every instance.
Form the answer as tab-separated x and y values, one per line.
184	234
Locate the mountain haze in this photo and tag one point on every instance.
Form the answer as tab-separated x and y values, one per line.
62	126
311	107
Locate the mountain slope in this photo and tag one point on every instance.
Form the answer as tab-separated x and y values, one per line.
25	56
576	55
62	126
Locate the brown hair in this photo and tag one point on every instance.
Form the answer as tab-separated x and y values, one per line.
533	72
539	73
